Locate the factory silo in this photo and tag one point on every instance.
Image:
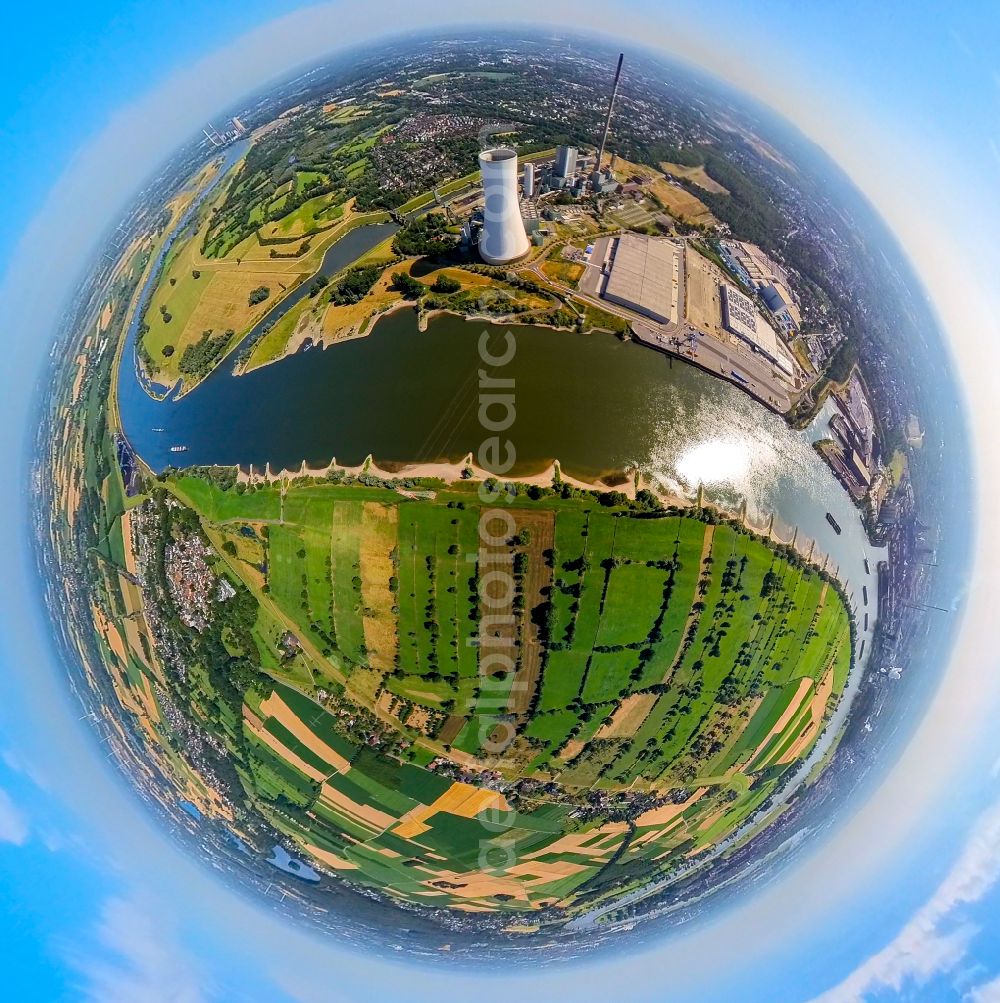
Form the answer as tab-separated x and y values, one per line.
503	237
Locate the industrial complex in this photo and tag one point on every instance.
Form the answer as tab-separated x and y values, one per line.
740	317
731	314
502	237
501	223
230	133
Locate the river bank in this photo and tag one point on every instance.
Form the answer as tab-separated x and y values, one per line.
305	338
628	482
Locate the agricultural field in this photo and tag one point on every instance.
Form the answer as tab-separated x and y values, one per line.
222	297
95	507
665	671
696	175
617	694
676	200
258	239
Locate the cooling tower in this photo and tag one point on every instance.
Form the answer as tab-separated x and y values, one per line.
503	238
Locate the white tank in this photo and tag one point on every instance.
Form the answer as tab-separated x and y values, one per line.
528	181
503	238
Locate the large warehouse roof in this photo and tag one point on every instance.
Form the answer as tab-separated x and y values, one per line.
739	314
644	277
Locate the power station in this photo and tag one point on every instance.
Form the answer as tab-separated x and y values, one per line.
565	161
509	213
503	238
234	131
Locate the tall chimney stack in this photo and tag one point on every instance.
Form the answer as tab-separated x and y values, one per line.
611	107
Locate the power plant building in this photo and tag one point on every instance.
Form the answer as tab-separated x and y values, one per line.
528	181
503	238
565	166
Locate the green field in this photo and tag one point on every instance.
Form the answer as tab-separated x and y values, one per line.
672	657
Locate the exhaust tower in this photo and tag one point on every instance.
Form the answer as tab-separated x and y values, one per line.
607	120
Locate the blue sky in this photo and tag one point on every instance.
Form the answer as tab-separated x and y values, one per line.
905	97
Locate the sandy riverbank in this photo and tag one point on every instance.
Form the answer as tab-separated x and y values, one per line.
309	336
448	472
466	469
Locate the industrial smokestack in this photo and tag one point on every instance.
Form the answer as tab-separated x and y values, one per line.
611	108
503	238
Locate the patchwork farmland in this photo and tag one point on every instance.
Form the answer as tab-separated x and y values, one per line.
668	669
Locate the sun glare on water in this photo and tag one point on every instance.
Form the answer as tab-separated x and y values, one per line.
717	461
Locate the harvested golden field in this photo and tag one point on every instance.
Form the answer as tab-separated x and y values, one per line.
805	685
696	175
679	202
628	716
378	540
106	315
198	294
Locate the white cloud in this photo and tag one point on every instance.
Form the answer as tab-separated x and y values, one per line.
988	992
13	823
935	940
137	960
13	761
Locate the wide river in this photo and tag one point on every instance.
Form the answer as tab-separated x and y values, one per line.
593	402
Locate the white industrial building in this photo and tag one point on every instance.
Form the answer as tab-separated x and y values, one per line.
645	277
740	317
565	166
780	302
757	270
528	181
503	238
751	263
